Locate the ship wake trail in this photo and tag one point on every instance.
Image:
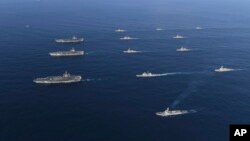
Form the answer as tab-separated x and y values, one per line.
175	73
88	80
192	87
192	111
237	69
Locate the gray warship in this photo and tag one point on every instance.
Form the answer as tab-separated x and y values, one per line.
65	78
71	52
70	40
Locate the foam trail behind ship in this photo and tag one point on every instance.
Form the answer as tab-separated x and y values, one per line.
237	69
175	73
192	87
88	80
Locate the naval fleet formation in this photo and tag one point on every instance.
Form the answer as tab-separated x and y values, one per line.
68	78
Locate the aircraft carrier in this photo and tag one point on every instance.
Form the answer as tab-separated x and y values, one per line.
65	78
71	52
70	40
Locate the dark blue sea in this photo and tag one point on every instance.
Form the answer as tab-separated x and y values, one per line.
111	103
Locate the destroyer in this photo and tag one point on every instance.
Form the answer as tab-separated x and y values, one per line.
198	28
168	112
120	30
178	37
128	38
70	40
71	52
149	74
131	51
159	29
182	49
65	78
223	69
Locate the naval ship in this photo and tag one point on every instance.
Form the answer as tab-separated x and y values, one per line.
169	113
131	51
71	52
183	49
120	30
145	74
178	37
70	40
128	38
65	78
223	69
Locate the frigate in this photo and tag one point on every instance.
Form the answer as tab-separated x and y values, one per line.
183	49
223	69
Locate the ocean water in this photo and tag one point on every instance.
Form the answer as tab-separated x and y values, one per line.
111	104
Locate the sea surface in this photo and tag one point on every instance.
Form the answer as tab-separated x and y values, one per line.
111	104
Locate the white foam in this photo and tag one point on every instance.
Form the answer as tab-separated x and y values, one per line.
192	87
192	111
174	73
164	74
91	79
236	69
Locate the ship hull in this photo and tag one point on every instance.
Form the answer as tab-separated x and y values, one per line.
227	70
163	114
65	54
146	76
55	80
131	52
179	50
69	40
168	115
